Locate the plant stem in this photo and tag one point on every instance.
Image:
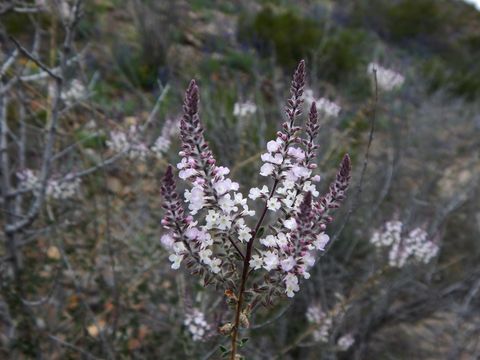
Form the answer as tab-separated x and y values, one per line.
245	273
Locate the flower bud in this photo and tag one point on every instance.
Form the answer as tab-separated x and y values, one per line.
244	320
225	329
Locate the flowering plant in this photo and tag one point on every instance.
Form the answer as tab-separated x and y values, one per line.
214	236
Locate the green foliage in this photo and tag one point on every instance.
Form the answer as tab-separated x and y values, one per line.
16	23
412	18
237	60
90	140
136	66
342	53
285	33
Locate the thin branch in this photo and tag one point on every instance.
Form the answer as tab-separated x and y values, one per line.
358	192
37	61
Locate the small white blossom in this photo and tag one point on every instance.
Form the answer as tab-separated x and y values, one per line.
195	198
415	246
167	241
255	193
291	285
274	145
256	262
244	109
273	204
316	316
270	260
176	260
244	234
288	264
290	224
387	79
196	325
215	265
75	92
321	241
345	342
267	169
328	107
269	241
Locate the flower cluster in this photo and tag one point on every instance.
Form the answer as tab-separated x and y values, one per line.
131	143
316	316
323	104
414	246
209	229
162	143
387	79
345	342
76	91
197	325
62	189
244	109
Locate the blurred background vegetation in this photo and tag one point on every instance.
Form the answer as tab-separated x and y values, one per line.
113	293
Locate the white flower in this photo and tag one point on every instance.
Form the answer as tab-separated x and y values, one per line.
215	265
223	186
227	204
196	199
291	285
224	222
315	315
274	145
255	193
288	264
309	187
186	173
297	153
290	224
176	260
328	107
179	247
196	325
273	204
244	109
281	239
167	241
345	342
256	262
211	219
270	260
267	169
386	79
268	158
301	171
269	241
76	91
244	234
416	246
205	256
221	171
321	241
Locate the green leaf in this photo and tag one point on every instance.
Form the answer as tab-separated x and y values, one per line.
242	342
261	231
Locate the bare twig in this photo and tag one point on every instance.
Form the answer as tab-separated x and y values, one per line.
37	61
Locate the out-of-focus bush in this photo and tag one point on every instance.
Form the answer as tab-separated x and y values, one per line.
281	32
